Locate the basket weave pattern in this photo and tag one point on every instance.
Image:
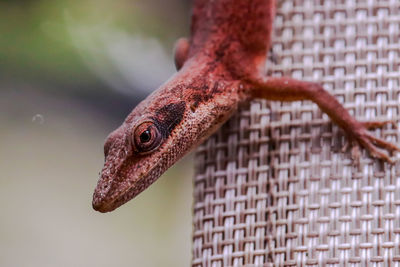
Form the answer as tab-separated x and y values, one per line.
274	187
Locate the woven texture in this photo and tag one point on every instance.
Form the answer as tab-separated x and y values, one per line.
273	187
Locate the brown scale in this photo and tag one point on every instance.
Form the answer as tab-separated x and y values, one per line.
220	67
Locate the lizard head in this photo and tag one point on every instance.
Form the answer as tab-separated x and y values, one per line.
139	151
158	132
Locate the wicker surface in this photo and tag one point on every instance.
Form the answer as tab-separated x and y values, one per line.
273	187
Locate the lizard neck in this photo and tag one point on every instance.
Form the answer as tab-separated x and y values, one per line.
236	33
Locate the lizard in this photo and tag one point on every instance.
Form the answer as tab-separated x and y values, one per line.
220	67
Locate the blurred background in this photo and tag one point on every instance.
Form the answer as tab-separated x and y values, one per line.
70	71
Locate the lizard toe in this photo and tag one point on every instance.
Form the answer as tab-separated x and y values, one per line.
376	146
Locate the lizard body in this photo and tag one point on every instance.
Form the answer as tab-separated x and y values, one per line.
220	67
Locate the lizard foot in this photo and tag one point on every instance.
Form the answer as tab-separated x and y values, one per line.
375	146
287	89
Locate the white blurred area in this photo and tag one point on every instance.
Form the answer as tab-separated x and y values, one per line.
122	60
49	168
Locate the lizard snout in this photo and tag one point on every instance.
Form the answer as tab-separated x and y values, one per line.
100	202
101	206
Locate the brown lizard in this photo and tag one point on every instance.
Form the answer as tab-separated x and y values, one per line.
220	67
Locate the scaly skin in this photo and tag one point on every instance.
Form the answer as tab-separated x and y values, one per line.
220	67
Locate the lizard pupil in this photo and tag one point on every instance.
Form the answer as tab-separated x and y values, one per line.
145	136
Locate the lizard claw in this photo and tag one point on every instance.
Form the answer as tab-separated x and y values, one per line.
375	146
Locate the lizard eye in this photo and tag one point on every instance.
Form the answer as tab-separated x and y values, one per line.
146	137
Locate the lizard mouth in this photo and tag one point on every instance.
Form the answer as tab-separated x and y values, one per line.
101	205
111	200
111	193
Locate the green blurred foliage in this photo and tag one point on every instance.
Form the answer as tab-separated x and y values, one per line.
35	42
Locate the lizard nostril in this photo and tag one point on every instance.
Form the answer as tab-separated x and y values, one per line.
105	187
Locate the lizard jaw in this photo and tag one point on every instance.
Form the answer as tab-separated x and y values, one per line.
111	193
102	202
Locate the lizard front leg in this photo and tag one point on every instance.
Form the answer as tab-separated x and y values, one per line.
181	50
287	89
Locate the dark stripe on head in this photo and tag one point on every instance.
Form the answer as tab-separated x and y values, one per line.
169	116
